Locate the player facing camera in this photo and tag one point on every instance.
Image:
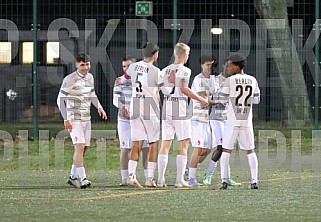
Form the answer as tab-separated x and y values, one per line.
212	59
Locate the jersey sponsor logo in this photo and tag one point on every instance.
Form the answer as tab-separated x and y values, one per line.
198	142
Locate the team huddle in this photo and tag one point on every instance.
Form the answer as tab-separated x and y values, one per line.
217	108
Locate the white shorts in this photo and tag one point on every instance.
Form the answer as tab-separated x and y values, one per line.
125	141
170	127
201	134
244	136
124	135
81	132
217	127
145	129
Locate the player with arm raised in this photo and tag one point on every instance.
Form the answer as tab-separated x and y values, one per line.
176	119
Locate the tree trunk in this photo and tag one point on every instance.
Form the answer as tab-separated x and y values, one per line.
295	96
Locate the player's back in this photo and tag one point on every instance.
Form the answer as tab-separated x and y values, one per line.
241	89
176	103
146	79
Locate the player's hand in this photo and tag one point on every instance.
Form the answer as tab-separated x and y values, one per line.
125	111
118	81
204	101
102	113
172	77
68	125
215	102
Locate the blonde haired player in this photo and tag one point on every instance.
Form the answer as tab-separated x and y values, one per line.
176	119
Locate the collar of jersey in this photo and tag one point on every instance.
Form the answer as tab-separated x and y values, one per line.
80	75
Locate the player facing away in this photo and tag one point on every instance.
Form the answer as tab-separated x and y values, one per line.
217	123
241	91
144	111
176	119
75	97
122	94
202	85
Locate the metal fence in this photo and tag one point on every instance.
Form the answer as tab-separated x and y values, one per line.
110	30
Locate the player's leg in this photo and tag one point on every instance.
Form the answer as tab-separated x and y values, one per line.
162	160
125	144
229	137
246	140
181	162
194	160
144	150
207	177
201	141
152	164
80	135
138	135
203	157
124	157
183	134
218	126
132	164
217	135
87	126
152	130
196	140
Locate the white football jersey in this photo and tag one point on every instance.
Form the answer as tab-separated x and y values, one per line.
176	103
122	95
78	92
146	81
241	91
202	85
218	111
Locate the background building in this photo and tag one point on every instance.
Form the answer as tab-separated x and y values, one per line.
110	30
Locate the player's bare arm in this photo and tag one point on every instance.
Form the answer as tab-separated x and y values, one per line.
188	92
102	113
